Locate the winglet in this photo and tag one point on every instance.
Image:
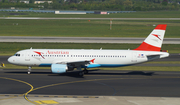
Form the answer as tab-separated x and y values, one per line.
154	41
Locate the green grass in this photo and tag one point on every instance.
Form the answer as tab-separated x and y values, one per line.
84	28
143	14
11	66
11	48
145	68
163	62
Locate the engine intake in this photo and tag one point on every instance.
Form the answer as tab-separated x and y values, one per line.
59	68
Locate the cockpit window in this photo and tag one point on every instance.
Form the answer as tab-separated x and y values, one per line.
17	55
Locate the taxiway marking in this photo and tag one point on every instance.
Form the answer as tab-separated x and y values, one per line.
25	94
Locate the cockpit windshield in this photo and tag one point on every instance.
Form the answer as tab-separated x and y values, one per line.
17	55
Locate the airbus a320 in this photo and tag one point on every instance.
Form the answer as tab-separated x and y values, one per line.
64	60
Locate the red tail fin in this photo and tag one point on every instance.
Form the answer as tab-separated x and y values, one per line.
154	41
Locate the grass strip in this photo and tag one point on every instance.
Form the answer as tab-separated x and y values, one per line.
147	68
85	28
163	62
11	66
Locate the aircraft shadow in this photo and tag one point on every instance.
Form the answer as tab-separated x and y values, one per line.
75	74
128	73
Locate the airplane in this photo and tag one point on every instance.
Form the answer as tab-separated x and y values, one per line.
65	60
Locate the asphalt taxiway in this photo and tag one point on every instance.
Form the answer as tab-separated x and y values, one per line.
98	85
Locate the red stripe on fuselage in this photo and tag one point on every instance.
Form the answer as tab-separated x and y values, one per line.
147	47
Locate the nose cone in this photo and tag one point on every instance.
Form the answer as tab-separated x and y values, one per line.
10	60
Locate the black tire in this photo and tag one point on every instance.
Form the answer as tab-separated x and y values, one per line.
81	73
86	71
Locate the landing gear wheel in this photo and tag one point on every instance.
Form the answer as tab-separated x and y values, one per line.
85	71
29	70
81	73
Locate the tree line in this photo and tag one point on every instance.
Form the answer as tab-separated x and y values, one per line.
101	5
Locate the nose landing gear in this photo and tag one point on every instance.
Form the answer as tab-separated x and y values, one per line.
29	70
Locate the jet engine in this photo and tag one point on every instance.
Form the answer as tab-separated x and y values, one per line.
59	68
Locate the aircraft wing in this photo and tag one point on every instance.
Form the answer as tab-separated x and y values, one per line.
76	63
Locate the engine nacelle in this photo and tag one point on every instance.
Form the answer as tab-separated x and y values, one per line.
59	68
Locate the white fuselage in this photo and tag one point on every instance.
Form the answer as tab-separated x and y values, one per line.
101	58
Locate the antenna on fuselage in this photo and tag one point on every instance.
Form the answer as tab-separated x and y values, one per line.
101	48
31	48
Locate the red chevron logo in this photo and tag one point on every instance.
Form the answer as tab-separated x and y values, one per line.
39	53
92	60
157	36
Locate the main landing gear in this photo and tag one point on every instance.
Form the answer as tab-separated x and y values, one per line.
29	70
85	71
81	73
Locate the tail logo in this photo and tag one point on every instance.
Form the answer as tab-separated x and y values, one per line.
157	36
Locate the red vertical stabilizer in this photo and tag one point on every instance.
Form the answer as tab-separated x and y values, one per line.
154	41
